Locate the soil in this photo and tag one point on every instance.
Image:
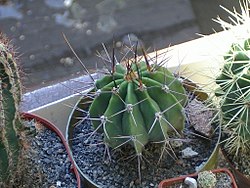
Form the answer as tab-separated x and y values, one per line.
119	168
44	162
241	161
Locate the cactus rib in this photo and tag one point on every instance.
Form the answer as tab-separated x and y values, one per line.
137	104
234	95
10	95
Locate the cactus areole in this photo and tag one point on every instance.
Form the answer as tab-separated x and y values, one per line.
138	103
10	95
234	95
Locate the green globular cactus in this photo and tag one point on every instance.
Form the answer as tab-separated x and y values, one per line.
206	179
10	94
234	97
138	103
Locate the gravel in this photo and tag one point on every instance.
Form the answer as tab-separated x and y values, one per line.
119	168
50	163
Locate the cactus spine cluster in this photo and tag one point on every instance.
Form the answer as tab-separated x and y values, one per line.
206	179
138	103
10	94
234	95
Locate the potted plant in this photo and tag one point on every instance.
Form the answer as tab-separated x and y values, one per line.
233	103
216	178
232	97
21	163
137	122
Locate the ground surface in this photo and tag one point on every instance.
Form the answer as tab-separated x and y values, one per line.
36	28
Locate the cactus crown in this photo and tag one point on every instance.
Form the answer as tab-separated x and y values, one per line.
206	179
10	94
138	103
234	95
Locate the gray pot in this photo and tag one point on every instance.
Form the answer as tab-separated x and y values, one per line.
83	104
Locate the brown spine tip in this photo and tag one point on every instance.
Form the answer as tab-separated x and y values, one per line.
146	60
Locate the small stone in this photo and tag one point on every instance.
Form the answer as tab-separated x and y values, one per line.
89	32
49	151
200	117
60	151
21	37
188	153
67	61
58	183
67	3
191	182
118	44
32	57
104	178
67	176
13	28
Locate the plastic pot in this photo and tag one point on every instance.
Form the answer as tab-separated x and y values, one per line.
52	127
170	182
83	103
241	179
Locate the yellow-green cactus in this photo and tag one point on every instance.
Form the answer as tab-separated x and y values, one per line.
138	103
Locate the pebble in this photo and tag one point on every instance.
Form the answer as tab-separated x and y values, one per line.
68	61
53	161
21	37
191	182
188	153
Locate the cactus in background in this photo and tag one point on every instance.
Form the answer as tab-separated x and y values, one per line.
138	103
206	179
10	94
234	97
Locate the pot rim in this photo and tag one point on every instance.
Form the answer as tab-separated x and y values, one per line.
190	85
54	128
181	178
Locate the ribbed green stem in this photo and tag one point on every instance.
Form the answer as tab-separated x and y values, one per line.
234	95
138	104
10	94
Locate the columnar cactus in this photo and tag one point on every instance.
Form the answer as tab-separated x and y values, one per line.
138	103
234	95
10	93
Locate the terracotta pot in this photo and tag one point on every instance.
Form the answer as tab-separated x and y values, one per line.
241	179
52	127
168	182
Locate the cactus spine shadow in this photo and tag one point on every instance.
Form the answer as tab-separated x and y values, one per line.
10	94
